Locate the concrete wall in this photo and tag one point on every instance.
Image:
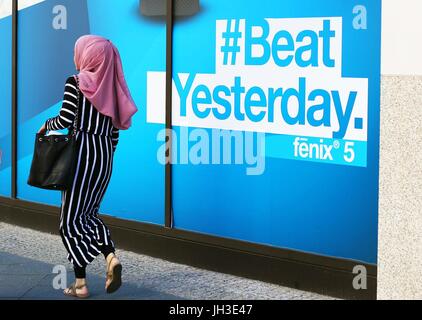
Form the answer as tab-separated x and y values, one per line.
400	197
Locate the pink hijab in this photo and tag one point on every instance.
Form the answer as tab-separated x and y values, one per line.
102	81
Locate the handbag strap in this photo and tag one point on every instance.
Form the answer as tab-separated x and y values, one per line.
75	122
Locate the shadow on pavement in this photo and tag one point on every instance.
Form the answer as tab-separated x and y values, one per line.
23	278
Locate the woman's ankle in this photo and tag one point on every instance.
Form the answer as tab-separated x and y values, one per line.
109	256
80	282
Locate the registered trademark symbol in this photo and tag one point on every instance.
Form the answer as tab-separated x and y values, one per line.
336	144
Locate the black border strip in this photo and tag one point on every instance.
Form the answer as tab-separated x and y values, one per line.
291	268
14	97
168	219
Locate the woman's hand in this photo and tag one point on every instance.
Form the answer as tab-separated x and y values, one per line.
42	130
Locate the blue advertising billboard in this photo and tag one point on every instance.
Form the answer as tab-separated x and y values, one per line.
276	115
5	96
48	30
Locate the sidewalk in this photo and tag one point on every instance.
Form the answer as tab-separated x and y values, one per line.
27	258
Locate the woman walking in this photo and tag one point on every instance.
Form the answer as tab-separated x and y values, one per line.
100	97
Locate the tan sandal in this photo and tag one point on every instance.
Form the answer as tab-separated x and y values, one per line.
114	275
71	291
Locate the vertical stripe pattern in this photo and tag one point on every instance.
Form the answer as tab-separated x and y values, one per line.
83	232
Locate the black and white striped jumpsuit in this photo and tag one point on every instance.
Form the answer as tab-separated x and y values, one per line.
83	232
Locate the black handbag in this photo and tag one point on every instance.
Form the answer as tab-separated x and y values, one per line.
55	157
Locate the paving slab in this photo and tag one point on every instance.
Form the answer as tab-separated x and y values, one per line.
28	257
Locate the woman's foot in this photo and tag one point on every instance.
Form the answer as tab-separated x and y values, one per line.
114	274
77	289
